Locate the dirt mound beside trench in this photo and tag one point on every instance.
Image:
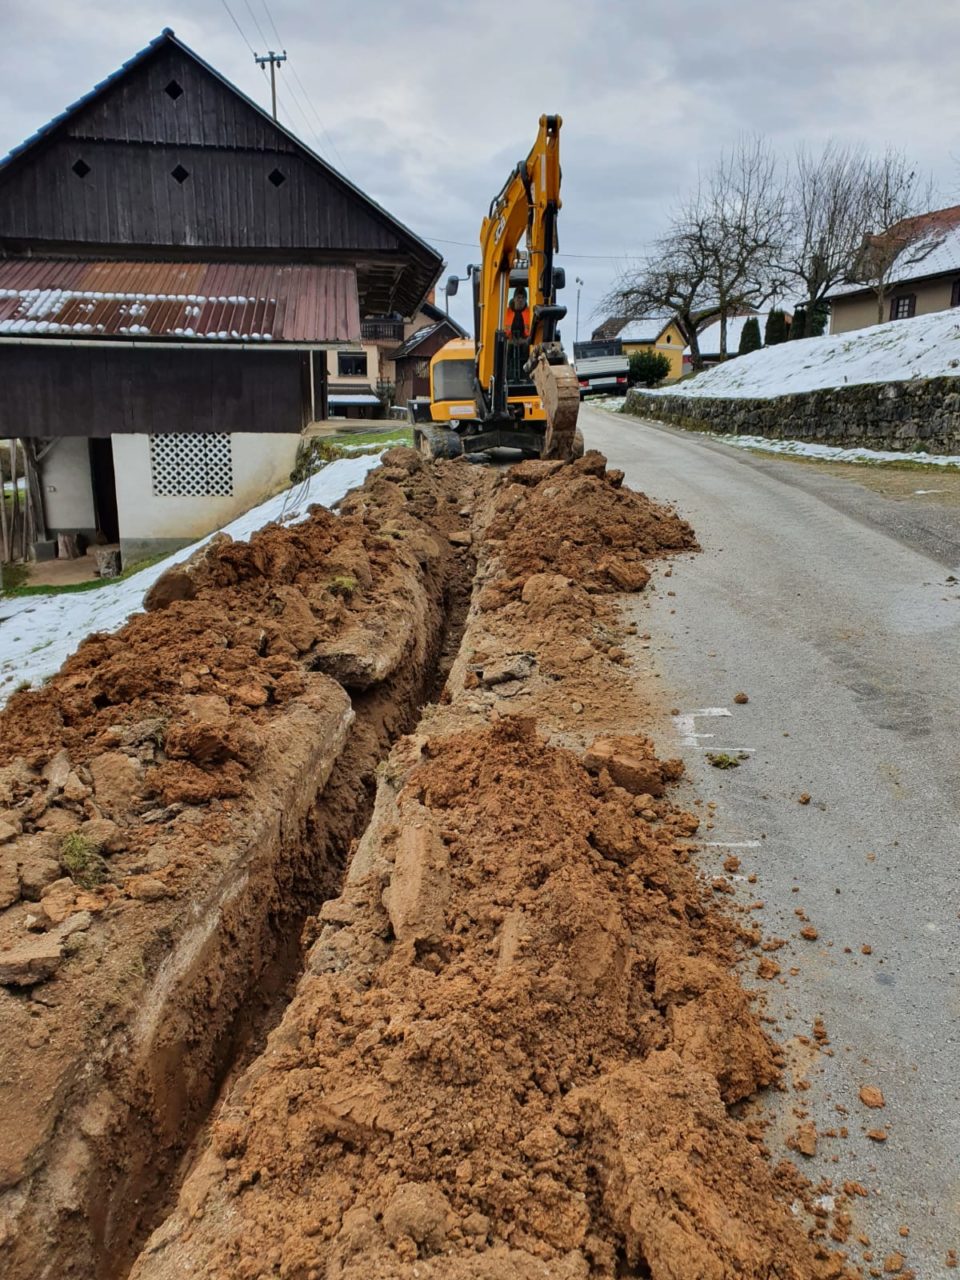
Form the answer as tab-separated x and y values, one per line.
519	1035
511	1053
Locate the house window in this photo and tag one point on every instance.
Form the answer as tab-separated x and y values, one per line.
955	294
191	465
352	364
904	307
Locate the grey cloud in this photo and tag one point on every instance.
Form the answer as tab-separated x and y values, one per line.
428	104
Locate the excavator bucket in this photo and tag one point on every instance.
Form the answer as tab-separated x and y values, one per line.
559	392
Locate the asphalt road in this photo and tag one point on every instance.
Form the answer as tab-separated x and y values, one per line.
832	607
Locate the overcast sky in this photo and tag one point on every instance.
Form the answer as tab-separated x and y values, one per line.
427	104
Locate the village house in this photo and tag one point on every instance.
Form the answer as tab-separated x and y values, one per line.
362	380
184	286
657	332
924	277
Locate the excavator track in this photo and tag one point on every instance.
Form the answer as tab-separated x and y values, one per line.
559	392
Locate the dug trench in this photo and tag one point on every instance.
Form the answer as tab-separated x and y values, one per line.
518	1045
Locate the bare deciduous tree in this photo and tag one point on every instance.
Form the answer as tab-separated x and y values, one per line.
828	219
671	280
717	257
895	194
739	218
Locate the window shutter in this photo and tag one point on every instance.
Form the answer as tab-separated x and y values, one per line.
911	304
893	308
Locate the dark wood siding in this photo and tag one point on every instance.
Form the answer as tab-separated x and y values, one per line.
136	135
227	202
207	114
99	391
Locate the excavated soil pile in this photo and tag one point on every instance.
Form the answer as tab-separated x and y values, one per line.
518	1038
172	803
582	523
512	1052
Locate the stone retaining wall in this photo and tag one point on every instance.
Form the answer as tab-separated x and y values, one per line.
922	415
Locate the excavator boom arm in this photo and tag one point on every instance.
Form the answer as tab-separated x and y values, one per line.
526	207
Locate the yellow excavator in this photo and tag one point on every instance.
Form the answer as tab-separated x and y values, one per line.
514	388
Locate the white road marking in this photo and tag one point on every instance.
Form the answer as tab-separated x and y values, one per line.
686	725
732	844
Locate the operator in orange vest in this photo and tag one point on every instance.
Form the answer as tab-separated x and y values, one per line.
517	320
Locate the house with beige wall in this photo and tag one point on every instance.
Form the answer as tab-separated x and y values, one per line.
924	277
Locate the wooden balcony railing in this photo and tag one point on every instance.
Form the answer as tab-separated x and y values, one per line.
385	330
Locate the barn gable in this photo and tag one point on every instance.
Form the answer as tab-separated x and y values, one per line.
215	177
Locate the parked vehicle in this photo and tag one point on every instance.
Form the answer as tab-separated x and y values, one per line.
602	368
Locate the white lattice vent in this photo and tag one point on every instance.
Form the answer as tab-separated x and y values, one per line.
191	465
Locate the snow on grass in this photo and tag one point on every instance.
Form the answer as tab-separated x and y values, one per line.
900	350
613	404
38	633
834	453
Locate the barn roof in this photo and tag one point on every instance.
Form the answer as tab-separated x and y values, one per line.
422	264
187	301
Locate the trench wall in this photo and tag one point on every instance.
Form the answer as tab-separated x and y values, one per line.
912	416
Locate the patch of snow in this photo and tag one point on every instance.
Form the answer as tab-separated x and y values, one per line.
38	633
834	453
898	351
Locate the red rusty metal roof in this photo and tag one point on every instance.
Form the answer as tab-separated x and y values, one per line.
187	301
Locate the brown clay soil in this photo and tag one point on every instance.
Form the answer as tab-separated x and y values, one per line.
518	1046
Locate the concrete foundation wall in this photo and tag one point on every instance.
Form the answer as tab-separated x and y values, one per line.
922	415
150	524
67	486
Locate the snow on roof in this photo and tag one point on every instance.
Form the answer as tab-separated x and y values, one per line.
901	350
936	252
100	298
646	330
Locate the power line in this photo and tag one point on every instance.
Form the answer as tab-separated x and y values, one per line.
271	21
263	38
561	253
238	26
318	131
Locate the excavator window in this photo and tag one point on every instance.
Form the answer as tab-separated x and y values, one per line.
453	379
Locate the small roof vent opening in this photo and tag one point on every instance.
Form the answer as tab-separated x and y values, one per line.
277	178
80	168
173	90
180	174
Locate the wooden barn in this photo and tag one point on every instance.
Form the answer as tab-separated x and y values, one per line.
175	267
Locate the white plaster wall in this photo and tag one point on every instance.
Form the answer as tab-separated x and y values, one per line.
261	466
68	485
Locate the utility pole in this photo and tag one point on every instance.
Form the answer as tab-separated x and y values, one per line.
273	58
577	330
